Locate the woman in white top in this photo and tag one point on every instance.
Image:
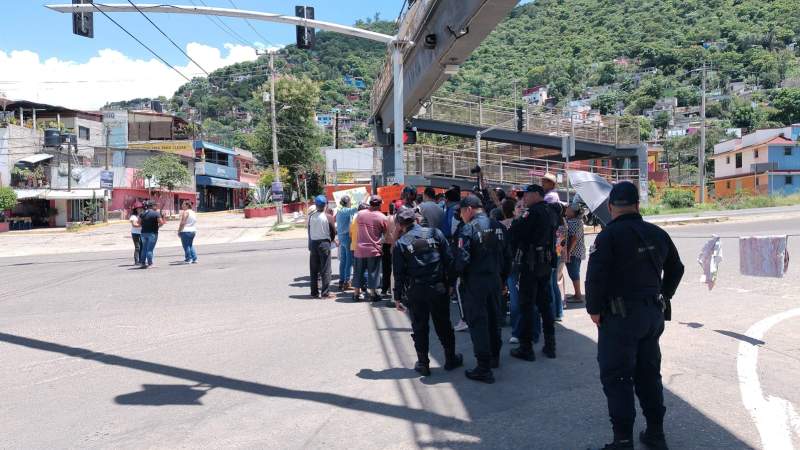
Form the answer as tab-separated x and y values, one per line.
136	234
186	231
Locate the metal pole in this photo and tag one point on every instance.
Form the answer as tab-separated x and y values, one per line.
478	146
108	157
501	169
275	164
399	122
69	165
701	154
454	164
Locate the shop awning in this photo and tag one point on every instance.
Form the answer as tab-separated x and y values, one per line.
205	180
34	159
82	194
24	194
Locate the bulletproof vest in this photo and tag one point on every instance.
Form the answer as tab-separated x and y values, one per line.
422	253
486	245
541	253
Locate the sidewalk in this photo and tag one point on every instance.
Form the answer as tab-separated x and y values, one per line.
214	228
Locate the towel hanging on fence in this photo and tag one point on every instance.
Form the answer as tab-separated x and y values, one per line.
709	258
764	256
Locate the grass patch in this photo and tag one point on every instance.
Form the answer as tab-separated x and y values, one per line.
738	201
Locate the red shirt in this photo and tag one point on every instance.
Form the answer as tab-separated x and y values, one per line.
371	228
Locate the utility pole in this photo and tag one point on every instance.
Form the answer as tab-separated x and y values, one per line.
108	158
275	165
701	153
336	130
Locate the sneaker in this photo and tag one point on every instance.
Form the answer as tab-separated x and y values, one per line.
574	299
376	298
461	326
456	361
559	319
513	340
423	369
327	296
194	261
527	355
357	298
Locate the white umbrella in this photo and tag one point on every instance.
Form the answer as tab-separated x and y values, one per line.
593	191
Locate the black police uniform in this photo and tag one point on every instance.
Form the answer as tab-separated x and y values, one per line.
624	285
482	260
533	238
420	261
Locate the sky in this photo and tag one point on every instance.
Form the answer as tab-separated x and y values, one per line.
41	60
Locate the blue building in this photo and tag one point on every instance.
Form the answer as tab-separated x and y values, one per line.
218	188
765	162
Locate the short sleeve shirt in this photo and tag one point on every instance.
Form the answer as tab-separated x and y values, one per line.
371	229
149	220
576	229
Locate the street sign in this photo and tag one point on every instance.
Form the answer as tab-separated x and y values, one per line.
107	179
83	23
567	146
277	191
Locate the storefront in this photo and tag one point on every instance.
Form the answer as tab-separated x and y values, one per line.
218	194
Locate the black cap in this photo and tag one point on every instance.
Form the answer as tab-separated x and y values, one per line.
471	201
624	193
535	188
406	216
453	195
375	200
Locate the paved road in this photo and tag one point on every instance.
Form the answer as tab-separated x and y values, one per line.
231	353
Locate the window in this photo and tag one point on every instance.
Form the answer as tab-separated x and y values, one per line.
728	184
758	181
755	154
738	160
787	151
83	133
727	160
788	179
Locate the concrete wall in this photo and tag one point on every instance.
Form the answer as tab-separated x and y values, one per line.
725	165
20	142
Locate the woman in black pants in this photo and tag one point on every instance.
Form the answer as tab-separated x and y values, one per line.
136	233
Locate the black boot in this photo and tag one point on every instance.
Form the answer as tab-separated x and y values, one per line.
653	440
481	373
524	352
549	348
494	363
618	444
454	361
423	364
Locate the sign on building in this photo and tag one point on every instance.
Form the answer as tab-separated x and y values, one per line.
107	179
183	148
116	121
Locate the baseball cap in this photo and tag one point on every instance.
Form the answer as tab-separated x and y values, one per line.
471	201
320	200
624	193
406	216
375	200
535	188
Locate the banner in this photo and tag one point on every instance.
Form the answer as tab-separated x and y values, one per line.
357	195
183	148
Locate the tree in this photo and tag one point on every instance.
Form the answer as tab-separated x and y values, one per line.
165	170
787	105
743	114
661	122
606	103
8	199
298	135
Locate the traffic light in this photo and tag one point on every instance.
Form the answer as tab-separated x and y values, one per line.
82	22
409	137
305	35
520	120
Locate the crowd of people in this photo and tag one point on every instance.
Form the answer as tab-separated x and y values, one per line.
491	253
146	221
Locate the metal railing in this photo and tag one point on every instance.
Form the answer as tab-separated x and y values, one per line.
427	160
536	119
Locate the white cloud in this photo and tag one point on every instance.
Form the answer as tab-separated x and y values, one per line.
107	76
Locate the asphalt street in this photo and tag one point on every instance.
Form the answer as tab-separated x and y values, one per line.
232	353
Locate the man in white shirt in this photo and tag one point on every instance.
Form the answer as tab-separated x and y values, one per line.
321	232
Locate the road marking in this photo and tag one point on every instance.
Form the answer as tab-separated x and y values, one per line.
775	417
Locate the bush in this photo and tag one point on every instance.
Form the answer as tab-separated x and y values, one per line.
678	198
8	199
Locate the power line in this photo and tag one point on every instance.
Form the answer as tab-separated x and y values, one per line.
140	42
251	25
168	38
223	26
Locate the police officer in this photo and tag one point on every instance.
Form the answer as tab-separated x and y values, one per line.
628	299
533	238
420	259
482	260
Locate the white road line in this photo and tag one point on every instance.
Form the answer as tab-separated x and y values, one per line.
775	417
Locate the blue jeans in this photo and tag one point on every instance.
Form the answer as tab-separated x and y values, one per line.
148	246
513	293
555	294
345	258
187	241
